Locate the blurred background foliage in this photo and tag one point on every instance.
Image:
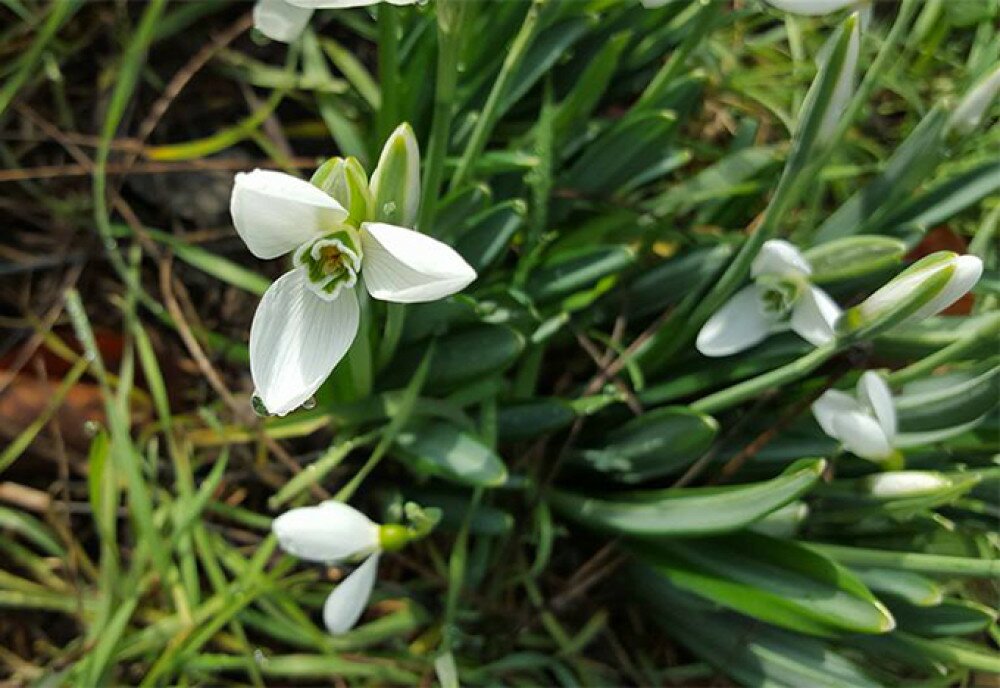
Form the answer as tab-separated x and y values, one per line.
613	512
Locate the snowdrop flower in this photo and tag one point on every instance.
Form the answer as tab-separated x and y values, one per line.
925	288
308	318
812	8
285	20
335	533
780	297
865	424
970	111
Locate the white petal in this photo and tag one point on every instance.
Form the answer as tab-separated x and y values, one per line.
968	270
814	316
810	7
874	393
779	257
843	89
738	325
275	212
344	4
832	403
348	600
862	435
280	20
329	532
296	339
976	102
405	266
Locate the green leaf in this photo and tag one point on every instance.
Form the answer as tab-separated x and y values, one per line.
852	257
912	162
751	653
689	512
943	201
443	450
776	581
487	240
31	529
577	269
522	421
722	179
579	103
910	587
949	618
465	356
668	282
627	149
212	264
652	445
548	46
948	400
456	508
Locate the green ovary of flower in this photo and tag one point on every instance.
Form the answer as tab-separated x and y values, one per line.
332	262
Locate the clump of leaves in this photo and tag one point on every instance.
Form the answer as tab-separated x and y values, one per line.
611	171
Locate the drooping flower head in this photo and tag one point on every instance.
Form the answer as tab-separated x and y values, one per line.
285	20
780	298
340	235
866	423
336	533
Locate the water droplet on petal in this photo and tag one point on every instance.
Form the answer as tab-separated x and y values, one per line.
258	406
309	403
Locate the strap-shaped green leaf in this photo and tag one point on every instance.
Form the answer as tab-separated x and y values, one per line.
689	511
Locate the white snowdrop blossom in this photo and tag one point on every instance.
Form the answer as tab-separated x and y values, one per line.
335	533
308	318
780	298
864	424
812	8
285	20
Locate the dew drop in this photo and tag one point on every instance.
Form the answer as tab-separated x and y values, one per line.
258	406
388	208
110	244
309	403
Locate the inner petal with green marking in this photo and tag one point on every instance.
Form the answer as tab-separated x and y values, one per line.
332	262
778	294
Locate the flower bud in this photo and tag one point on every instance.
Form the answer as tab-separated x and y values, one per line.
395	185
905	484
927	287
346	181
329	532
970	110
